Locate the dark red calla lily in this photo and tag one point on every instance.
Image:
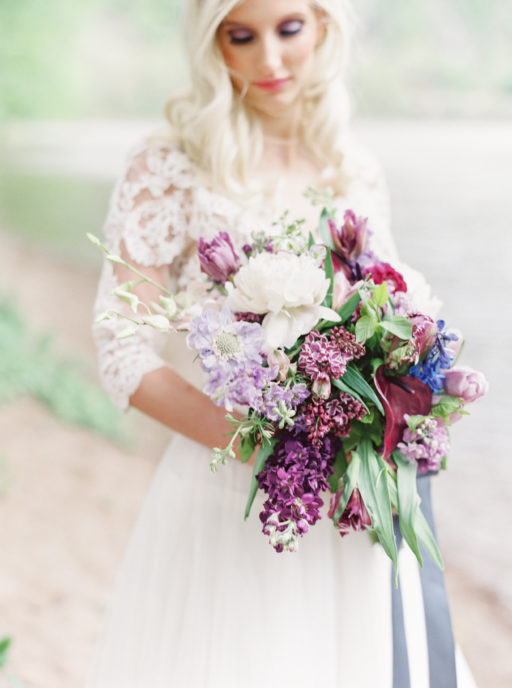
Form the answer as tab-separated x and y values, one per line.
400	395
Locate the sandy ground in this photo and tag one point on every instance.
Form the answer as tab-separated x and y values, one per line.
70	499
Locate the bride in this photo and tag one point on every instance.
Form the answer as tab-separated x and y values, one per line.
201	600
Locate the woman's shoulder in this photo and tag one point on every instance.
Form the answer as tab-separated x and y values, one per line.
159	161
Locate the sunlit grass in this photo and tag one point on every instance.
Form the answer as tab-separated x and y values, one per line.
30	366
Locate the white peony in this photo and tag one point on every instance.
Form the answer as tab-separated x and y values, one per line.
288	289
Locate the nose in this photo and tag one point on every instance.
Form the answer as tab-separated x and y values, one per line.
270	58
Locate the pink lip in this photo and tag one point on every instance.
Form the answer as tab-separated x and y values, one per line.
272	84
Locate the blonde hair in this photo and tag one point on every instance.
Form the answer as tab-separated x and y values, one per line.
223	136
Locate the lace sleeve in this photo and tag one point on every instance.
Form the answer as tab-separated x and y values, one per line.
147	225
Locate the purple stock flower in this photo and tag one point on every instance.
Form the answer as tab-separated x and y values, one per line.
425	442
218	257
354	517
293	478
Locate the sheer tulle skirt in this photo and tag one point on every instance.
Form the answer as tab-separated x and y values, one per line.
202	601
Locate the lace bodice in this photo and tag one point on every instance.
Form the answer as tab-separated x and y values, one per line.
158	210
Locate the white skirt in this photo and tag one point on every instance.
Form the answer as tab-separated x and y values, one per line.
203	601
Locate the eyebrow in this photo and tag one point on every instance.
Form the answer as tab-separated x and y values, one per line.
289	17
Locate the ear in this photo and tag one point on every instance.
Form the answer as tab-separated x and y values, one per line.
322	19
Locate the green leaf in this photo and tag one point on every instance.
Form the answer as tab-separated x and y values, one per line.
446	406
380	295
247	447
341	385
329	273
399	326
408	500
348	308
323	229
365	328
427	538
340	466
354	379
4	648
311	240
373	486
259	464
350	481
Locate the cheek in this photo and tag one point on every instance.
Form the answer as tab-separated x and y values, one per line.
303	52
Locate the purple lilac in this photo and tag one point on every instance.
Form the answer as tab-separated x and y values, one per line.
427	444
319	417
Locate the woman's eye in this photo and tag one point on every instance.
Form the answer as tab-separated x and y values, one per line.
290	28
240	36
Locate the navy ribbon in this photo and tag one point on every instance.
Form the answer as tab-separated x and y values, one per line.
441	645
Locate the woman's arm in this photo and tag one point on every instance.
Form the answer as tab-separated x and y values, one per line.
162	393
165	396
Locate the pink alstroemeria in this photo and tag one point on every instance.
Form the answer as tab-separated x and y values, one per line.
218	257
400	395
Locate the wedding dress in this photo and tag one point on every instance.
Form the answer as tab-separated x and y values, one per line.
201	599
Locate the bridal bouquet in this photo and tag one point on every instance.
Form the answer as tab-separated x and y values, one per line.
340	386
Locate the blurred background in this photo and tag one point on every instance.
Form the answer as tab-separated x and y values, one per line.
80	83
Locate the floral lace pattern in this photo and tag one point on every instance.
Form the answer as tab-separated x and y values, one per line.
159	209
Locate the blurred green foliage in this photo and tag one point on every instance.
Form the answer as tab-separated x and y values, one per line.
54	211
108	58
30	366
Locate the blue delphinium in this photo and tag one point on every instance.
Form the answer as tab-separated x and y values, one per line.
431	371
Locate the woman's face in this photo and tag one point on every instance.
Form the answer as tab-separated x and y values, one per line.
269	45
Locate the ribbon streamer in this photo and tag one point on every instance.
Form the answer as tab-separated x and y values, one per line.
441	645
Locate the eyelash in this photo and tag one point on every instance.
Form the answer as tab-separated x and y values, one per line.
285	34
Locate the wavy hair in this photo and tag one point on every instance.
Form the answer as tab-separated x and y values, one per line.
223	136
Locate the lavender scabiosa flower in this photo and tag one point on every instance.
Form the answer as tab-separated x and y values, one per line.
425	441
222	340
218	258
230	353
293	478
355	515
320	417
439	359
322	360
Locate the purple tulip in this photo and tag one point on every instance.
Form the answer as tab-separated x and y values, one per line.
355	516
424	332
351	238
466	383
218	257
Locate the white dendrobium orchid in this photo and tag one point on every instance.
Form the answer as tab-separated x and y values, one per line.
287	289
